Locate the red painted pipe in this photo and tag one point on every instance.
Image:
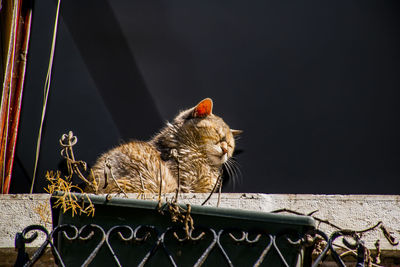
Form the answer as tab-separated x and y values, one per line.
12	91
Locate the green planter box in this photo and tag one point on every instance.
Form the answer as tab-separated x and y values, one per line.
131	232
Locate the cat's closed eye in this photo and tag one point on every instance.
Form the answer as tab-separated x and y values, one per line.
220	141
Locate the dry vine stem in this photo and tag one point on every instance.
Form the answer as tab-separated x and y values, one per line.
109	168
218	184
177	213
68	201
67	141
370	261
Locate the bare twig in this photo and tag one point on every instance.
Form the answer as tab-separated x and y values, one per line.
219	190
213	190
377	258
392	240
67	141
109	167
316	218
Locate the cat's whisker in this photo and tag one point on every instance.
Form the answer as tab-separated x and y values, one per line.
236	166
236	171
230	173
228	168
233	171
239	172
227	173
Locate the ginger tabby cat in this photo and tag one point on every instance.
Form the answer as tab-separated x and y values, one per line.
194	146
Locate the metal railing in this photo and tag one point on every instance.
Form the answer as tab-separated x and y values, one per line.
270	250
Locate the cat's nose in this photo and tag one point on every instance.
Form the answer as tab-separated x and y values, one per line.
224	150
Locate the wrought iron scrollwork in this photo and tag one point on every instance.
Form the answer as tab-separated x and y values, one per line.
216	241
358	245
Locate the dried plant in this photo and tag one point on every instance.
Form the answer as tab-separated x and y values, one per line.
67	200
64	185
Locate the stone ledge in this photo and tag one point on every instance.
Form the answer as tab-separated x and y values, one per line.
355	212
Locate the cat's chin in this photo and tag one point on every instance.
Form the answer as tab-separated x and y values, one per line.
218	160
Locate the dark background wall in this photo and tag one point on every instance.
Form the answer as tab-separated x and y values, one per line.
313	84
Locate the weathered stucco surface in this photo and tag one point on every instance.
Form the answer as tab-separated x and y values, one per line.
355	212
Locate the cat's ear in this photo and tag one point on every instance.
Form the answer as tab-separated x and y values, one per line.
236	132
203	109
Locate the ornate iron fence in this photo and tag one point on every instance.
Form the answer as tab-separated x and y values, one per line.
120	245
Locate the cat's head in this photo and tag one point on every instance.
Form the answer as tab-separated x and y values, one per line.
199	127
